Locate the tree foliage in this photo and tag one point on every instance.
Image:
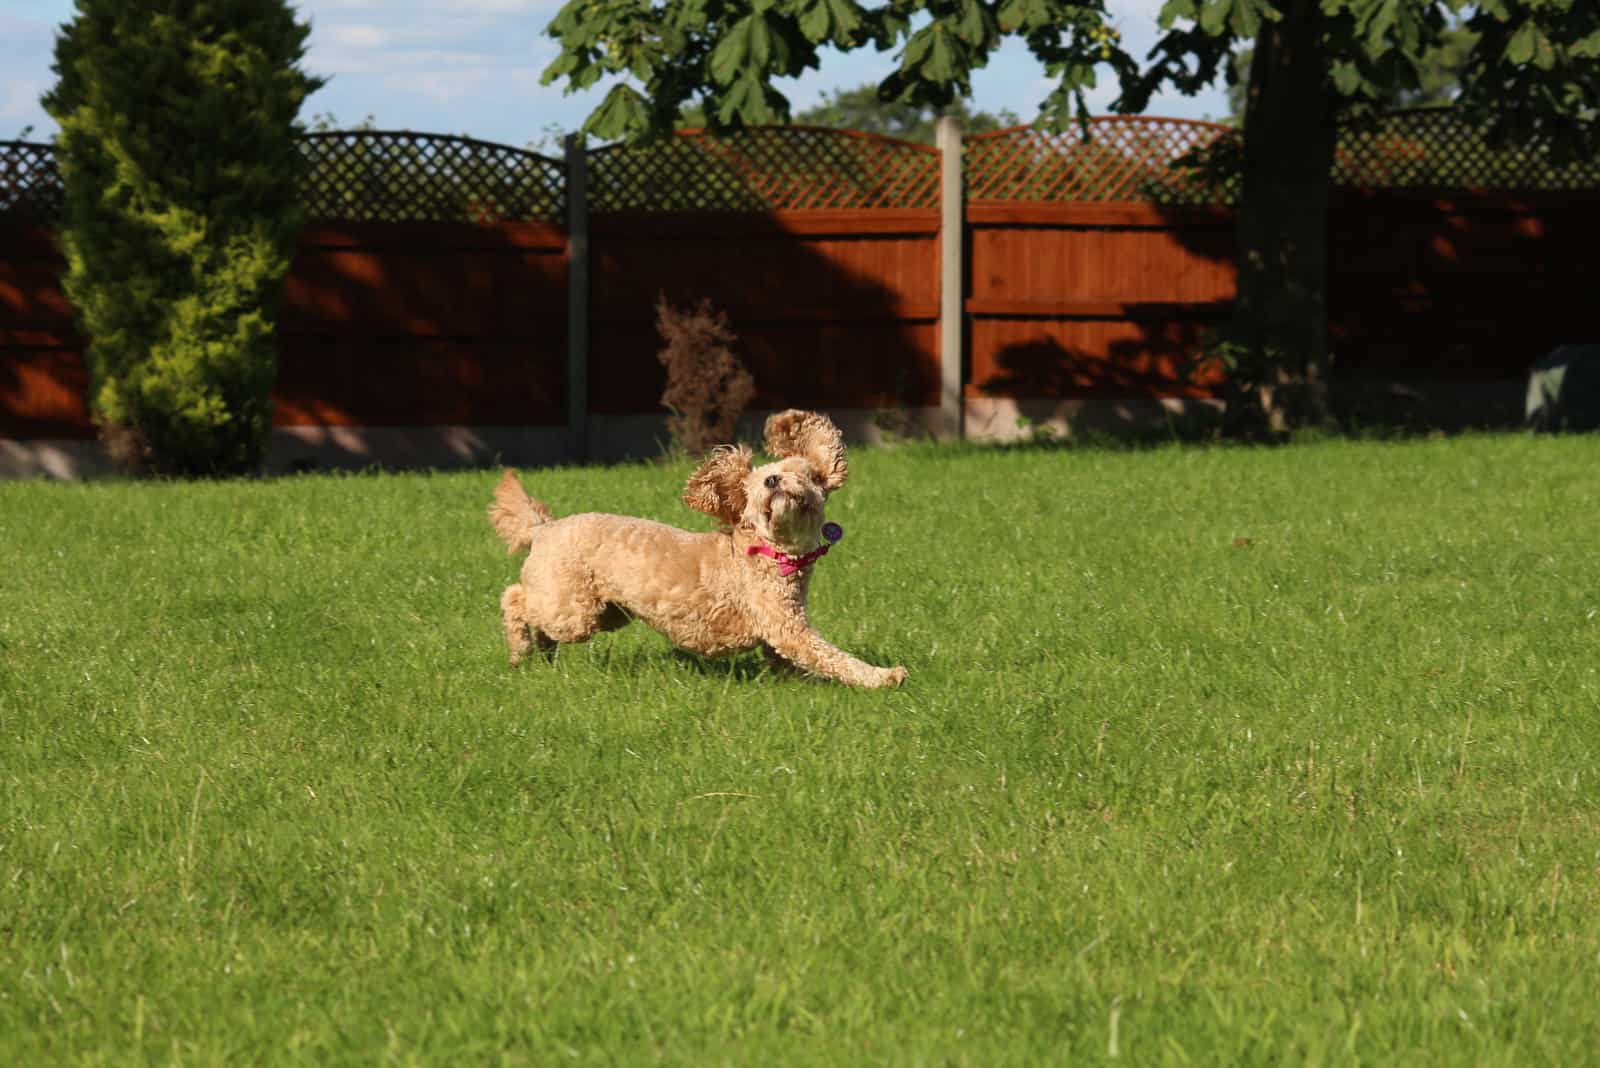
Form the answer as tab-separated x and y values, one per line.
861	108
725	55
1438	81
1527	69
1527	74
177	149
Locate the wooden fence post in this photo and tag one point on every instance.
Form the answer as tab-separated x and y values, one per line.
577	297
952	276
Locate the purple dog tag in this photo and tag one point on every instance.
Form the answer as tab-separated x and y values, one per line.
832	532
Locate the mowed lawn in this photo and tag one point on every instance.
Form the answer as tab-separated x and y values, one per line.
1207	756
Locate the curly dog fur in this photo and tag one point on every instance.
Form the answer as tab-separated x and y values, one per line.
706	592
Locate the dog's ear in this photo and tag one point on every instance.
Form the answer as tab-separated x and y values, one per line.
717	488
813	436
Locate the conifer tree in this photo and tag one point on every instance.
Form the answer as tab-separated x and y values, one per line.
178	152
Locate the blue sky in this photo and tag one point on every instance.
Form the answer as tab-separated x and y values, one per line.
472	67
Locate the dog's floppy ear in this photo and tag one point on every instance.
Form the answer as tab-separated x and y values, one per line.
717	488
813	436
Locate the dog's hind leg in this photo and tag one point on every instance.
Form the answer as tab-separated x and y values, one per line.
521	634
563	603
582	616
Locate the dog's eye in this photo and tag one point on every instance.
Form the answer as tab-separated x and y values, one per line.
772	482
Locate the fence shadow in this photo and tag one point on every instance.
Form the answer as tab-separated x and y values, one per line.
1440	300
819	245
825	317
1144	385
431	344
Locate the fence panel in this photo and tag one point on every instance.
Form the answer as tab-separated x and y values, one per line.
424	324
43	383
1085	300
1458	287
821	246
1095	264
838	312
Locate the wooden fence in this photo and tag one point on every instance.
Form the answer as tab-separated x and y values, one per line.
454	288
821	245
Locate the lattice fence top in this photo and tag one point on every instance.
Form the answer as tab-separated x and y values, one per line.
1122	158
1435	148
30	182
767	168
372	175
380	176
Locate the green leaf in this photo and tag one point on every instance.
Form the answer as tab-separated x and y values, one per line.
973	25
917	48
1245	20
1173	10
1214	16
745	101
760	42
847	21
1347	78
563	65
1383	20
622	114
1519	49
732	52
816	20
943	59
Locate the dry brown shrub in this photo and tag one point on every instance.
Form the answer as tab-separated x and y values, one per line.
127	447
707	385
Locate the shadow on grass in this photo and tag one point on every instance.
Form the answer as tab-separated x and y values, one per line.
753	667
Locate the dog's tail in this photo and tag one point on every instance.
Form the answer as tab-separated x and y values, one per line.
514	514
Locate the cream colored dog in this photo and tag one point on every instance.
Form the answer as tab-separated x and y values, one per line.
741	587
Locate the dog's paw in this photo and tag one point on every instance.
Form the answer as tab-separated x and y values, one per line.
893	677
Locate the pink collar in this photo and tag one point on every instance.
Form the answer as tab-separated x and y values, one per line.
788	565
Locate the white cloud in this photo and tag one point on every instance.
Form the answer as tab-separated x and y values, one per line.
357	36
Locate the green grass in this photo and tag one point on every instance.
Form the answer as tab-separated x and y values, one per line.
1153	793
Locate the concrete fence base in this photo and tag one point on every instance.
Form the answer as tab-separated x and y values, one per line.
610	438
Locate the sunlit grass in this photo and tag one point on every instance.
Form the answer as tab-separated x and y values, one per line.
1207	756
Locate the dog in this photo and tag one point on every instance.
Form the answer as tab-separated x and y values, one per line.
739	588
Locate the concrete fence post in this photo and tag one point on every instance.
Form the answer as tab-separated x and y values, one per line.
577	297
952	278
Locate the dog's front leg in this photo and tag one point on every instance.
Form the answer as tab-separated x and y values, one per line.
808	650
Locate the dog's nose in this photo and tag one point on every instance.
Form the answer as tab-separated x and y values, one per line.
772	482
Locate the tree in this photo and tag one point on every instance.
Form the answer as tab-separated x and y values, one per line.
1531	75
861	108
182	174
1438	80
724	56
